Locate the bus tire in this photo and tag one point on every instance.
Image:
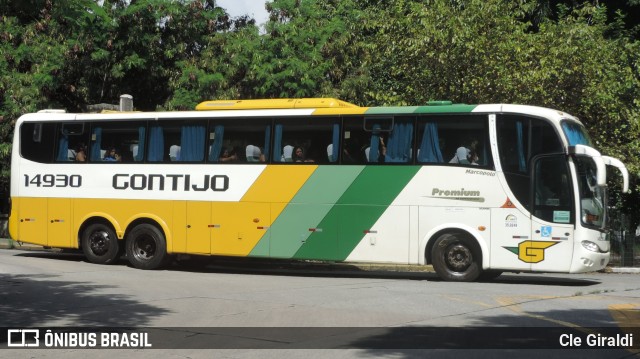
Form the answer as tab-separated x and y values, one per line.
456	258
146	247
100	244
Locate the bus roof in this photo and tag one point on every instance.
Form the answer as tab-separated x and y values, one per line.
328	106
304	107
263	104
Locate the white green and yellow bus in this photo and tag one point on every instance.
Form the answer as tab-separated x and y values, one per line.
473	190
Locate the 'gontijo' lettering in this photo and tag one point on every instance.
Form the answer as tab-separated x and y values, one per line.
170	182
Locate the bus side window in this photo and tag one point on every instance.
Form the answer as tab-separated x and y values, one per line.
454	139
305	140
37	141
115	142
355	141
71	143
245	140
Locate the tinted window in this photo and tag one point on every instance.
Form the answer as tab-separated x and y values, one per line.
306	140
552	190
37	141
71	142
456	140
118	142
378	140
520	138
239	140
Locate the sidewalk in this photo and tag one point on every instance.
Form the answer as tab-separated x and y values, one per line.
6	243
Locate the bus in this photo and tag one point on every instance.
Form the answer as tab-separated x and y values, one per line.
473	190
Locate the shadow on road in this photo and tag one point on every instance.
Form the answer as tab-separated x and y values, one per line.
261	266
36	300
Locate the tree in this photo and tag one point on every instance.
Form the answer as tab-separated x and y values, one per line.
463	51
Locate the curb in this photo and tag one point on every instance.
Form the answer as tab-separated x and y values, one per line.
7	243
623	270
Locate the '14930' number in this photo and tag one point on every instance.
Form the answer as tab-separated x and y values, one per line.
48	180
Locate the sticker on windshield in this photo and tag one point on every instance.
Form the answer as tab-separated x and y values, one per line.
561	216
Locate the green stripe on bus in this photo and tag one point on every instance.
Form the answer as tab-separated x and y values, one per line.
457	108
306	209
446	109
356	212
391	110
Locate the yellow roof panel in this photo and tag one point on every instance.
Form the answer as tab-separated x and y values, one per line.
285	103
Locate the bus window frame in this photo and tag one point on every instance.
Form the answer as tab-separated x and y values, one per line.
377	118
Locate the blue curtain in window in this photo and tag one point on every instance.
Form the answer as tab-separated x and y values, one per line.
574	135
375	144
277	144
267	142
63	149
216	147
522	164
430	145
141	138
192	143
96	145
156	144
399	146
336	142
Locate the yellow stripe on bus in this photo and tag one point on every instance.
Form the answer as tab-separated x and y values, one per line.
229	228
278	183
340	111
241	225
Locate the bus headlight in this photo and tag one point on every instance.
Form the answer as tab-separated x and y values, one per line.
590	246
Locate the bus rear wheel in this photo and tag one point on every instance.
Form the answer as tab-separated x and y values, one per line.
456	258
100	244
146	247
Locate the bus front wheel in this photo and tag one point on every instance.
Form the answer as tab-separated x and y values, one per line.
146	247
456	258
100	244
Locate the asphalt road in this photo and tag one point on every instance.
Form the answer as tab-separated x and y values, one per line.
254	309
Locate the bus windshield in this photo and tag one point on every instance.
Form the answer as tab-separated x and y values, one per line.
592	196
576	134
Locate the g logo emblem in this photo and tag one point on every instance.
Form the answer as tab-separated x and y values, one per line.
531	251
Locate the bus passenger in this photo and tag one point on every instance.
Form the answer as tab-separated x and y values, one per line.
81	155
228	155
298	155
112	156
463	152
473	157
383	150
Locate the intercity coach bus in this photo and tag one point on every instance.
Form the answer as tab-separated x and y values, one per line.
474	190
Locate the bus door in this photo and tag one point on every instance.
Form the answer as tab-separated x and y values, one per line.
198	237
32	226
59	223
553	215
